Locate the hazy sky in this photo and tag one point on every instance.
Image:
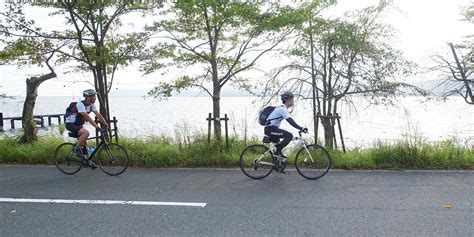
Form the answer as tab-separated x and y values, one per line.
424	27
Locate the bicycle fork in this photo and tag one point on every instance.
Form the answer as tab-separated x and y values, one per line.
309	154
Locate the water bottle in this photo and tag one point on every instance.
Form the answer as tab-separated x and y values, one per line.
91	150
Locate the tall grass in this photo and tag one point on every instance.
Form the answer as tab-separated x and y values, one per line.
39	152
404	155
194	151
165	152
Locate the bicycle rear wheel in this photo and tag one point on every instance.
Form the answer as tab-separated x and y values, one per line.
313	162
256	161
66	160
113	159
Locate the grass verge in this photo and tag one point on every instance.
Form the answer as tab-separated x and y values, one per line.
166	152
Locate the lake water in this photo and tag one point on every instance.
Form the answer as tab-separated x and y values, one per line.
362	124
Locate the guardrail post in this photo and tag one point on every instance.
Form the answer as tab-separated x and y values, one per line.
226	131
1	122
115	129
209	128
96	133
340	132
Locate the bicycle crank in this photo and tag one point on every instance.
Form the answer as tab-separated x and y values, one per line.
280	167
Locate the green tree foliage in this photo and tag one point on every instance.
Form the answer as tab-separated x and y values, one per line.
336	58
457	70
214	43
468	14
28	51
93	35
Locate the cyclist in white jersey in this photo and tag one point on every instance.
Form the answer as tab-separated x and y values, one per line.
78	117
273	129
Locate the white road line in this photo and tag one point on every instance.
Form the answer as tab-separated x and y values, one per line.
69	201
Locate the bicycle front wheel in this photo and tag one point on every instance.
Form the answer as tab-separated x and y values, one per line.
256	161
113	159
313	161
66	160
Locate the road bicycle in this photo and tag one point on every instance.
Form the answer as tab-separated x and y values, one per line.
112	158
312	161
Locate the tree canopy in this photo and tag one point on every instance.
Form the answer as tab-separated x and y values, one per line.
333	59
457	69
213	43
92	38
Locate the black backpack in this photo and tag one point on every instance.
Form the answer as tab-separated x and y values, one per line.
72	109
263	115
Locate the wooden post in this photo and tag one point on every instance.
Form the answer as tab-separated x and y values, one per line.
13	123
245	128
333	122
1	122
50	118
209	128
340	132
42	121
96	133
115	129
226	132
316	129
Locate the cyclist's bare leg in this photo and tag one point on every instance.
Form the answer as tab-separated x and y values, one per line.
83	134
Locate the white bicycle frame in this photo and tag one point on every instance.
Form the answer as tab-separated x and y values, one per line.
300	142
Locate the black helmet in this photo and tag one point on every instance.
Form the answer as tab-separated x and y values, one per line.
89	92
287	95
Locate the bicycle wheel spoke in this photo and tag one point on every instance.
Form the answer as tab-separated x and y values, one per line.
66	160
313	162
113	159
256	161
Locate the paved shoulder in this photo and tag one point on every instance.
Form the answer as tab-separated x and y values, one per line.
356	203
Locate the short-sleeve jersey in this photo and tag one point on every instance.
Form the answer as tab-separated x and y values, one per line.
278	114
81	108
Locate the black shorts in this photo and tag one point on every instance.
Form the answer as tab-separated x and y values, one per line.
276	133
73	128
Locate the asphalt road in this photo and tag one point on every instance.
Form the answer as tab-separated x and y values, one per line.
343	203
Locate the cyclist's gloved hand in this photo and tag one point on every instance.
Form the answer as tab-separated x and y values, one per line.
305	130
108	128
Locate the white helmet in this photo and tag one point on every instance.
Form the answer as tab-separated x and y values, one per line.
89	92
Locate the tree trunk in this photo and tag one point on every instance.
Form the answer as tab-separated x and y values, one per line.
28	123
216	96
102	92
316	110
216	109
469	96
329	134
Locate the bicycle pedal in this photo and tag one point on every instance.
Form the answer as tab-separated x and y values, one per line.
92	165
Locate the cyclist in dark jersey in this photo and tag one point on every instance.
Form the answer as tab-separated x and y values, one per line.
274	120
80	114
